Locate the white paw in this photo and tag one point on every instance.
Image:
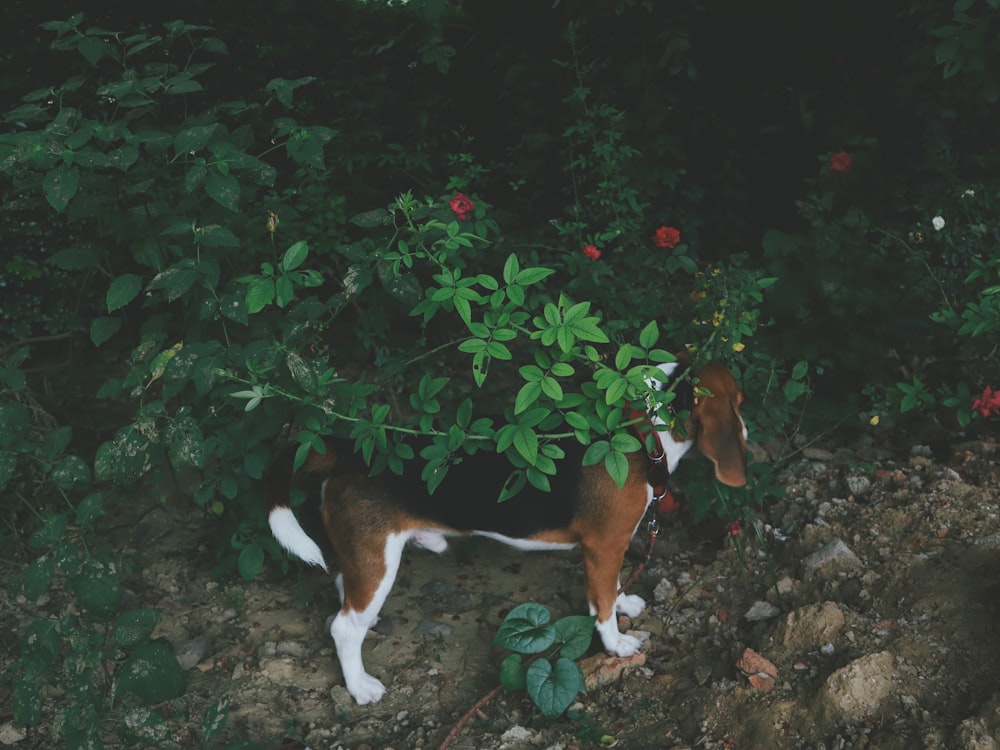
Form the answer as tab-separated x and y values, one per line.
366	689
630	605
627	645
614	642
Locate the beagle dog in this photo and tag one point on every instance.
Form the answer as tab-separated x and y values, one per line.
370	519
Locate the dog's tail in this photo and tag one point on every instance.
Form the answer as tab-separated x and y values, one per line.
281	518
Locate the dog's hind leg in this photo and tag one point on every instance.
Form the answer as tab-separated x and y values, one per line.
602	563
365	587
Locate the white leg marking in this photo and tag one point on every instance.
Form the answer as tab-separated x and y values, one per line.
614	641
630	605
348	629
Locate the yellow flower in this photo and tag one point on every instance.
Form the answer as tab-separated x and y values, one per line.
272	222
873	421
739	346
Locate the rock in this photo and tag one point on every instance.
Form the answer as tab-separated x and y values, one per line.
980	732
860	689
664	591
832	557
518	735
192	651
761	611
858	485
602	669
296	649
809	628
10	734
760	672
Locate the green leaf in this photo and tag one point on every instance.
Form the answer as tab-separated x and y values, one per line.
526	443
51	532
649	335
527	396
60	185
596	452
553	689
56	441
533	275
175	281
295	256
76	258
123	290
575	632
513	675
194	139
135	626
72	473
103	328
224	189
371	219
617	465
214	721
511	269
260	294
151	673
251	561
97	588
525	629
37	576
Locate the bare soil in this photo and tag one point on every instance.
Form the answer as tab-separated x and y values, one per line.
887	639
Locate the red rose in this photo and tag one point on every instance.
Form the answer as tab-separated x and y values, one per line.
987	404
666	237
841	162
462	206
591	252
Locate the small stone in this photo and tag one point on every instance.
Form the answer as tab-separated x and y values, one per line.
858	485
833	556
860	689
750	662
190	652
517	733
760	610
602	669
809	627
10	734
664	591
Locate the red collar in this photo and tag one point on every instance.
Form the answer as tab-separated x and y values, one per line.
658	472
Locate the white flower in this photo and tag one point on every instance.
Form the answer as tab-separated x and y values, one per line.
970	193
938	223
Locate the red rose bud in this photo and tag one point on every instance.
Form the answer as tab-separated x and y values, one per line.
666	237
591	252
841	162
462	206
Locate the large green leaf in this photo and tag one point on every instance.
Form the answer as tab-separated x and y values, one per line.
526	629
60	185
135	626
152	674
123	290
554	687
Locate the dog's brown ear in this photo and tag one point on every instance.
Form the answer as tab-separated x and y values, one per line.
720	428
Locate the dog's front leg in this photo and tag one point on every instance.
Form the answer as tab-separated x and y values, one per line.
602	566
363	589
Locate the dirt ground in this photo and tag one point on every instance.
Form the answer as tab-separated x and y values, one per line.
871	621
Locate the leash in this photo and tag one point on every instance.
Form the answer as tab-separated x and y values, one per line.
663	501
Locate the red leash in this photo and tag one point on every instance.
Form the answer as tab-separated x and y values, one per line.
663	501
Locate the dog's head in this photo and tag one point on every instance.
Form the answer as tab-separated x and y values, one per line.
718	429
